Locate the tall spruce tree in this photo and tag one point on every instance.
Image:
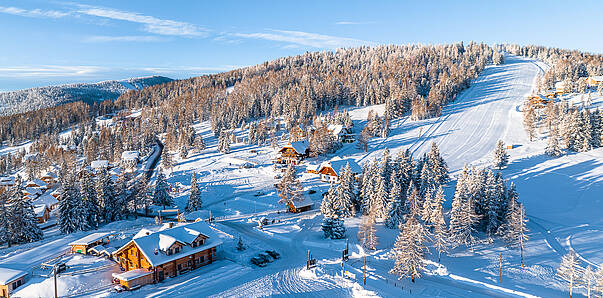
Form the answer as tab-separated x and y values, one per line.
22	223
501	157
194	199
161	193
570	269
90	200
409	250
73	212
395	207
366	232
289	188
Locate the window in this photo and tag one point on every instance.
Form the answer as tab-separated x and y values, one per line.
18	283
14	285
201	259
176	250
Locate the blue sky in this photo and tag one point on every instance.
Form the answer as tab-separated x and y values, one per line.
52	42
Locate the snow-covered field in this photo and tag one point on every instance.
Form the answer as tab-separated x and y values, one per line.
562	196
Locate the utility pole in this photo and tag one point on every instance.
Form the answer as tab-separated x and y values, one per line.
56	294
500	270
364	271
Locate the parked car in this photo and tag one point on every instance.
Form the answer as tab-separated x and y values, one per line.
265	257
260	262
275	255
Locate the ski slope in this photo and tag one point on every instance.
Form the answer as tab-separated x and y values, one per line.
469	127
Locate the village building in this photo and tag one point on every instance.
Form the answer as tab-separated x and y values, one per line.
562	88
35	183
50	178
341	133
129	159
294	152
594	81
302	205
98	165
330	171
7	181
83	245
153	255
10	280
312	169
47	200
42	213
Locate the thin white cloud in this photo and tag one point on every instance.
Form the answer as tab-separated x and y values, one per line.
352	23
306	39
55	14
128	38
49	71
150	24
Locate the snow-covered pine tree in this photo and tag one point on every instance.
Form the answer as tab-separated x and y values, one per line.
553	148
4	235
413	201
367	189
405	169
515	230
194	199
183	151
224	142
588	279
166	159
346	193
409	250
571	130
462	216
73	214
106	196
501	157
289	188
599	280
23	225
327	206
496	204
427	208
437	165
379	199
596	125
161	194
529	121
122	194
440	236
431	215
90	200
366	232
199	143
395	207
333	228
569	269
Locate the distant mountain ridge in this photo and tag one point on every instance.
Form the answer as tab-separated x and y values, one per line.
26	100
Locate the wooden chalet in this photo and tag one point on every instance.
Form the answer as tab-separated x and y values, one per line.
10	280
294	152
331	170
341	134
50	179
300	206
84	245
42	213
539	101
594	81
151	256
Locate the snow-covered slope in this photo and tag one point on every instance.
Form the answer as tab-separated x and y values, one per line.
35	98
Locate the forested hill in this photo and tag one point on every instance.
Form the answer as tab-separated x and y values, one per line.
413	78
13	102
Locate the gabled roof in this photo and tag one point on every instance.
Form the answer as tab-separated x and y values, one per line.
97	164
38	182
130	155
9	275
335	129
46	200
301	147
39	210
50	175
338	164
161	239
304	202
94	237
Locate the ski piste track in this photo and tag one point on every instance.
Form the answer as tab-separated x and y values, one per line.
469	127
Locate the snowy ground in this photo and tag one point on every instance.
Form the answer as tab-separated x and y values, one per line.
562	198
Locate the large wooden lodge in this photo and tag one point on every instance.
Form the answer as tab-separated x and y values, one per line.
151	256
294	152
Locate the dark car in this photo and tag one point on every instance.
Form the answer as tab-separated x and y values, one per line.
265	257
275	255
260	262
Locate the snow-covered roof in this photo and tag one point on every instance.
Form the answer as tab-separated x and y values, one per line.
94	237
300	146
33	190
97	164
312	167
39	210
163	238
597	78
335	129
38	182
46	200
98	248
132	274
338	164
303	203
51	175
130	155
7	180
9	275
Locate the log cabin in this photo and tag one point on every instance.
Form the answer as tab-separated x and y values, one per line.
10	279
42	213
167	252
294	152
302	205
594	81
331	170
84	245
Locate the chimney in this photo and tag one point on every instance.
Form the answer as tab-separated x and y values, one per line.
170	225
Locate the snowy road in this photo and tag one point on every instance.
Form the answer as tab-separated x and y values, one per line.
470	127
